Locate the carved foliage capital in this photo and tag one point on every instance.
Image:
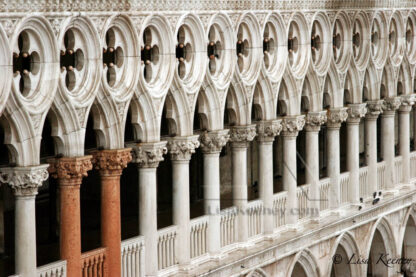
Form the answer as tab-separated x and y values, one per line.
182	148
267	130
391	104
314	120
374	108
336	116
148	155
356	112
214	141
111	162
70	168
24	181
407	102
291	125
241	135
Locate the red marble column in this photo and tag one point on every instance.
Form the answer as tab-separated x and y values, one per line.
70	172
110	164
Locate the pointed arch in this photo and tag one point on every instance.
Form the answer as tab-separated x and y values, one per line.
311	89
308	263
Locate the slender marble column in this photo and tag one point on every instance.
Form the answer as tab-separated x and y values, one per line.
148	156
387	127
25	182
211	145
373	111
355	113
313	123
267	130
335	117
291	125
404	117
69	172
110	165
181	150
240	137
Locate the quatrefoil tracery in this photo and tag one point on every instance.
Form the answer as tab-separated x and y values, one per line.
315	42
72	60
112	57
336	40
213	49
268	46
149	54
183	52
242	47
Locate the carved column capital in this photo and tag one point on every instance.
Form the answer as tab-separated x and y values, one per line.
314	120
291	125
407	102
24	181
391	105
240	136
148	155
356	112
374	108
336	116
111	162
214	141
70	169
267	130
182	148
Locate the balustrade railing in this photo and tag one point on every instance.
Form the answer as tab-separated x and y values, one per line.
324	193
398	168
55	269
302	195
228	226
199	228
94	263
166	247
344	182
363	177
279	208
413	164
255	218
132	257
381	177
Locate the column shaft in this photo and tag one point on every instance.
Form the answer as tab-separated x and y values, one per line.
371	153
266	183
387	127
353	164
290	178
239	181
333	167
405	143
312	170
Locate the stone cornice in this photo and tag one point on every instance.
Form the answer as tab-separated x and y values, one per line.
336	116
182	148
148	155
391	105
67	168
291	125
314	120
374	108
267	130
24	181
240	136
356	112
214	141
111	162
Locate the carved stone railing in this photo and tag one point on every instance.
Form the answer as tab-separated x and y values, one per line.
302	195
324	185
94	263
398	170
228	226
279	208
381	175
363	177
132	257
344	182
413	164
166	247
199	228
255	218
55	269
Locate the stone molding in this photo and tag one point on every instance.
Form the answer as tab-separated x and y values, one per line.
68	168
374	108
356	112
214	141
240	136
150	154
267	130
336	116
182	148
291	125
407	101
24	181
314	120
111	162
391	105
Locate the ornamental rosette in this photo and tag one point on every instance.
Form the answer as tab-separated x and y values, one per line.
214	141
181	149
148	155
267	130
291	125
70	168
336	116
24	181
111	162
314	120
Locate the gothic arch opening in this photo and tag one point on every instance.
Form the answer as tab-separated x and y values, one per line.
409	247
341	269
378	248
298	271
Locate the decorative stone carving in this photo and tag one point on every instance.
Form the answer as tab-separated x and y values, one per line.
336	116
182	148
291	125
356	112
374	108
24	181
148	155
391	105
240	136
267	130
407	102
314	120
214	141
111	162
70	168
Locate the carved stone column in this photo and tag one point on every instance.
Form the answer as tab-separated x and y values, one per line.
181	150
240	137
335	117
69	172
25	182
355	113
147	156
110	165
211	145
313	123
373	111
291	125
387	128
266	131
404	122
